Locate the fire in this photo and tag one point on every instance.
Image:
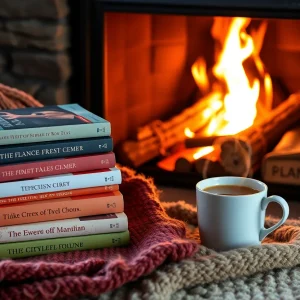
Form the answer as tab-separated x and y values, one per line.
200	76
189	133
241	95
240	100
203	151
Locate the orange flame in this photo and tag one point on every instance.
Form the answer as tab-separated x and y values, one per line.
189	133
200	75
203	151
239	103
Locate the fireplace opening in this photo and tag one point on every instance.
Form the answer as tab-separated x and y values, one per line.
173	84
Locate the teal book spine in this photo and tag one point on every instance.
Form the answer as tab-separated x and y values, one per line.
50	123
54	149
67	244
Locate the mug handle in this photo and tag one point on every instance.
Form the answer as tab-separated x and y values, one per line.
285	209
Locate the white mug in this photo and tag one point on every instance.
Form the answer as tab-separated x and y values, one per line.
233	221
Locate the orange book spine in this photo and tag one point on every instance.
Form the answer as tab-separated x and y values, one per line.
64	208
60	194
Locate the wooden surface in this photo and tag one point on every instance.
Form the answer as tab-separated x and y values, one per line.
189	195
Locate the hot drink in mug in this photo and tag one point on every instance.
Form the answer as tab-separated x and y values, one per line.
231	212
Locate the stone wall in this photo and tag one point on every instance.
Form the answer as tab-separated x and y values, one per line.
34	42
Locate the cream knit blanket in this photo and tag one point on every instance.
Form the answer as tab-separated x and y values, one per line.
236	274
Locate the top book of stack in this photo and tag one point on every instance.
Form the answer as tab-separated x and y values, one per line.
49	123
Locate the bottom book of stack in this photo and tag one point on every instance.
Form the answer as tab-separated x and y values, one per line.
82	233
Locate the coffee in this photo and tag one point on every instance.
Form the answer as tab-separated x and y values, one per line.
230	190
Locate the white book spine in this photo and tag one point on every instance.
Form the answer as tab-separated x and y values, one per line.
63	228
60	183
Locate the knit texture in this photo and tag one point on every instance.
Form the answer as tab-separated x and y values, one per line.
11	98
279	284
246	273
155	238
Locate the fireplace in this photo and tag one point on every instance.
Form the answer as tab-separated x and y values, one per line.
147	62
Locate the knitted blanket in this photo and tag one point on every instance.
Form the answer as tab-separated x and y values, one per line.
155	238
163	261
11	98
278	284
247	273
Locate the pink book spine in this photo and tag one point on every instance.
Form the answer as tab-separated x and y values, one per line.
59	209
51	167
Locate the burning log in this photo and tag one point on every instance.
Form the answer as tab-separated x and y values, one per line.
201	141
241	152
170	162
193	117
203	160
155	138
185	163
209	165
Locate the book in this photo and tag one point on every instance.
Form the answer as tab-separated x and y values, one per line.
63	228
59	166
63	208
61	194
69	181
66	244
50	123
54	149
282	165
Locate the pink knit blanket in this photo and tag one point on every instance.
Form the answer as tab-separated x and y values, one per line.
155	238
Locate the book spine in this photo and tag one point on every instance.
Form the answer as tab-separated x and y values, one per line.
56	166
62	228
60	183
61	149
62	194
282	171
54	133
67	244
59	209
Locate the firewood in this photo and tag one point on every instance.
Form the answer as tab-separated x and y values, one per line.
185	163
200	141
178	161
209	165
158	138
240	152
203	105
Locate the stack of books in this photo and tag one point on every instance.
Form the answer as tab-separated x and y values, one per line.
59	186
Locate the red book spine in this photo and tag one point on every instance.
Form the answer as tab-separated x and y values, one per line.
60	194
59	166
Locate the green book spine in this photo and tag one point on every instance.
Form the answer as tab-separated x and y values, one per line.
40	247
44	134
